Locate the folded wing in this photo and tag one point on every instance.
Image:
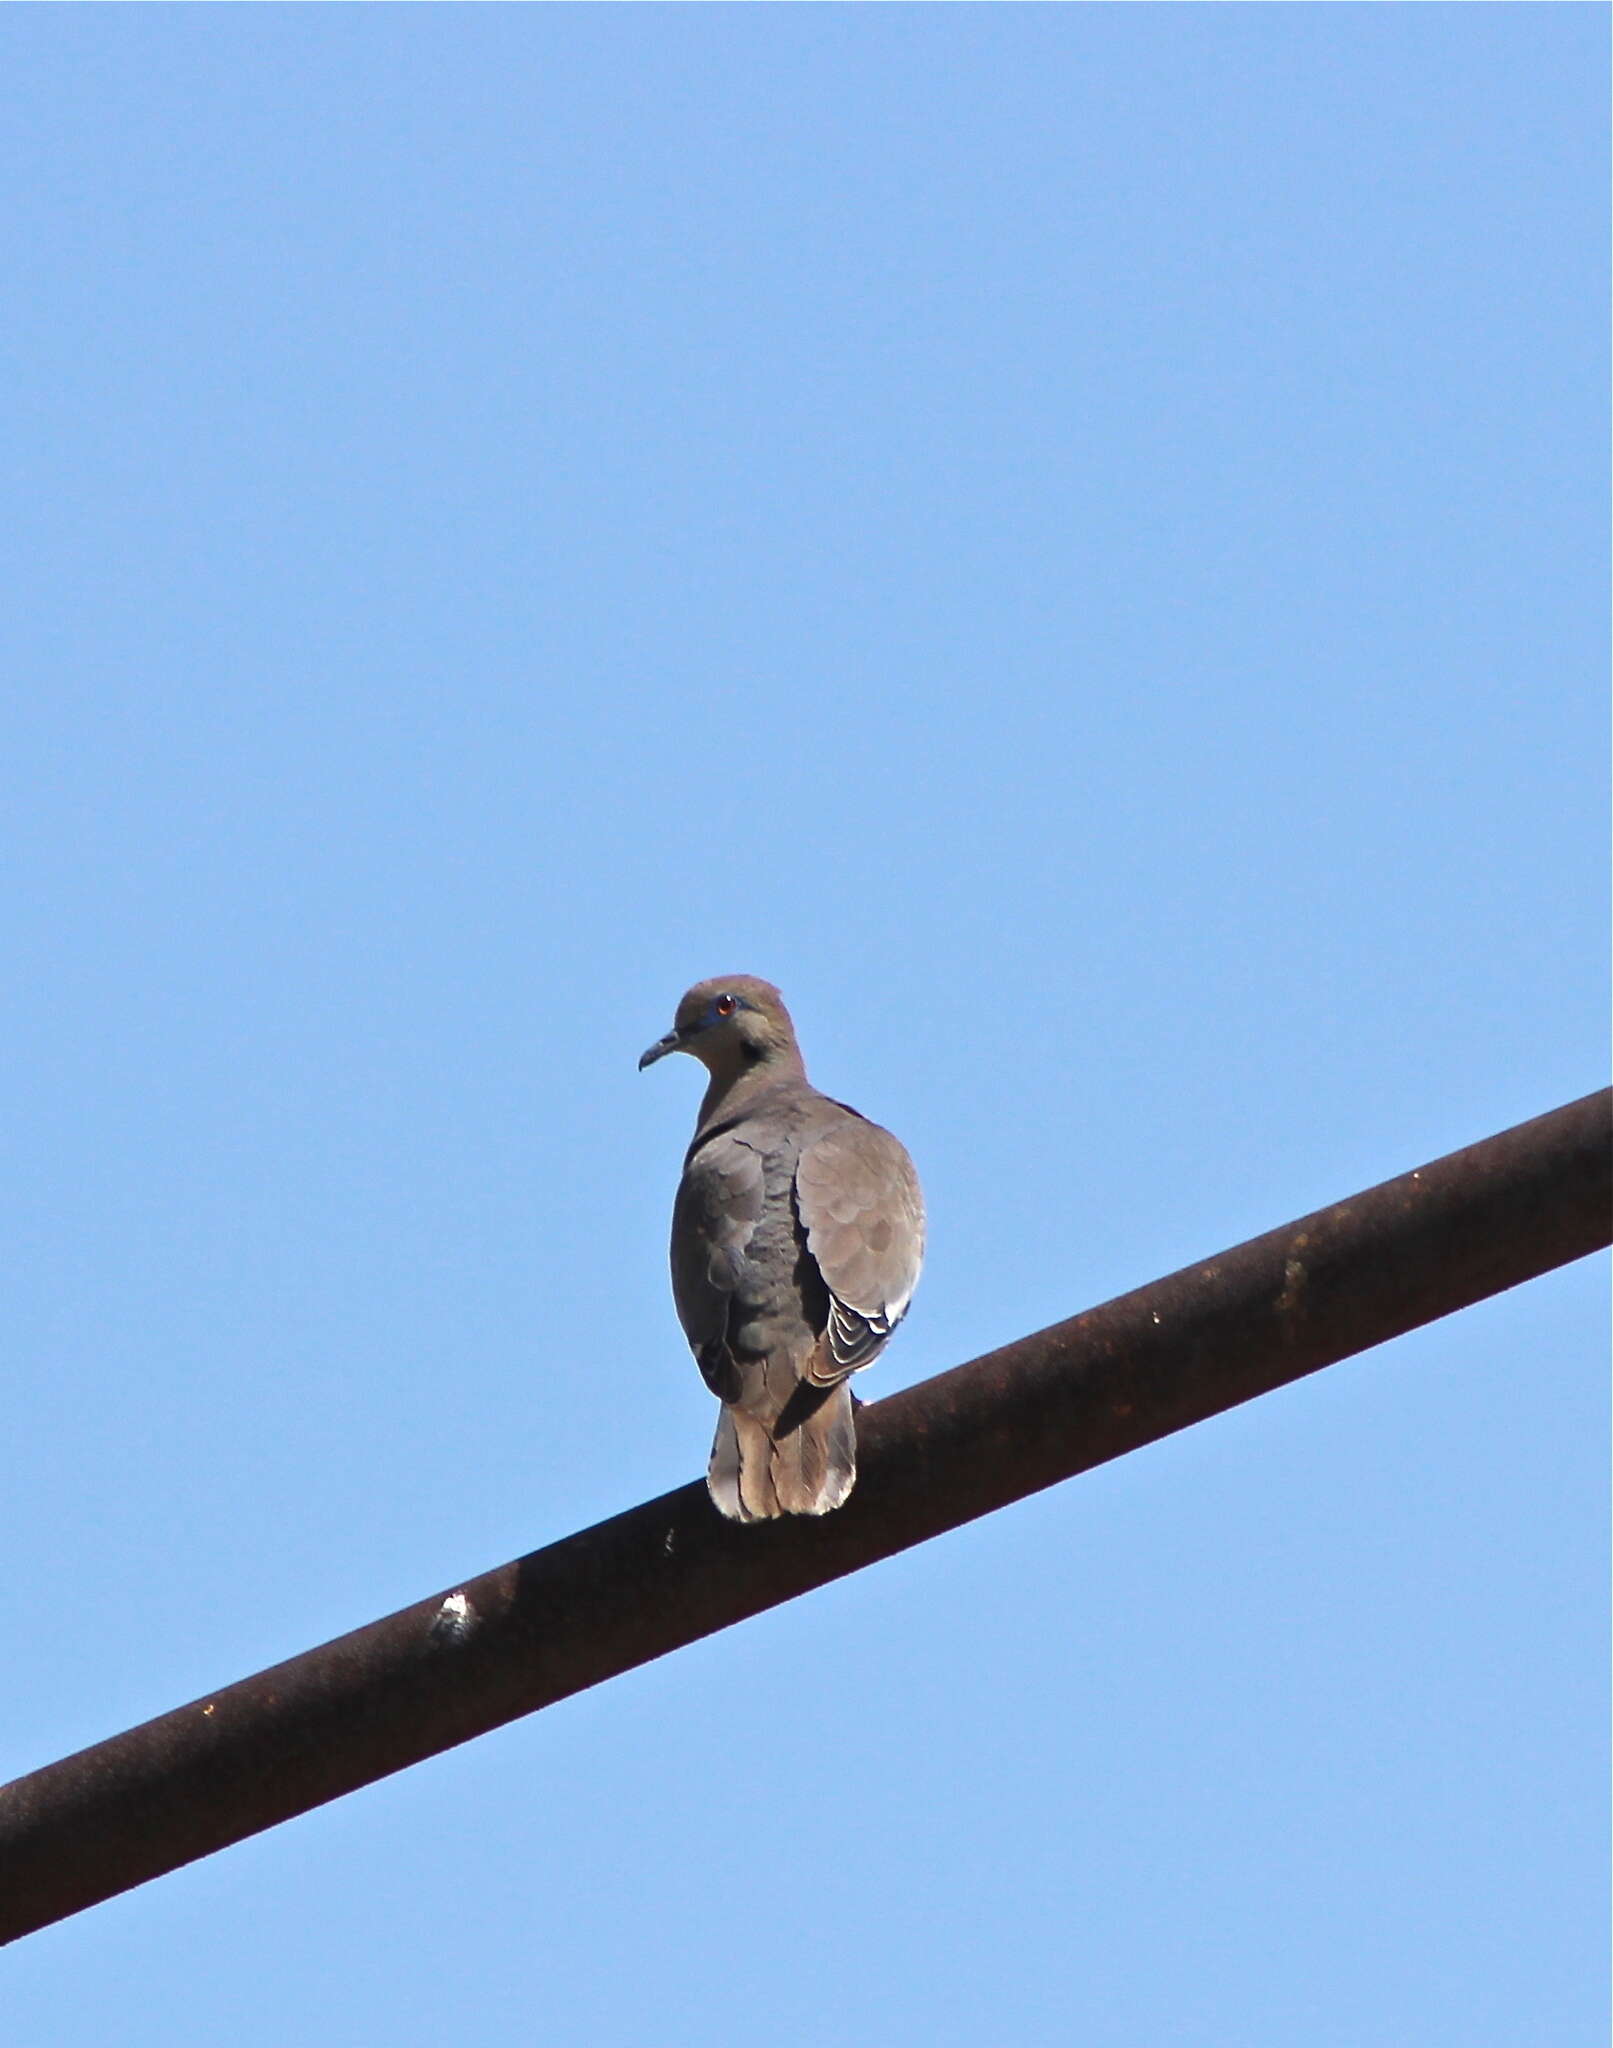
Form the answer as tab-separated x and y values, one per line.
859	1203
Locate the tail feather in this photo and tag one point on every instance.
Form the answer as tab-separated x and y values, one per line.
803	1465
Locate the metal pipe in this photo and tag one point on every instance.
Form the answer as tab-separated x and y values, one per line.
935	1456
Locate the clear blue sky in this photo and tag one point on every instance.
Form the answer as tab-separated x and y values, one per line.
1074	540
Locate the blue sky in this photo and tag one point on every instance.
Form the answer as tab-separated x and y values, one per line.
1075	541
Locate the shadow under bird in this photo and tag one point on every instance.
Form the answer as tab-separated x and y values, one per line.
797	1238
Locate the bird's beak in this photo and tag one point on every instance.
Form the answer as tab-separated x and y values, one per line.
662	1046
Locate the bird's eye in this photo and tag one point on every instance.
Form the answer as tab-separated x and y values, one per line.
725	1006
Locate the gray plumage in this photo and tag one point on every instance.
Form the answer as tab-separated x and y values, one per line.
797	1237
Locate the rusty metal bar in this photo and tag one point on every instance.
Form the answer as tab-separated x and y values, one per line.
941	1453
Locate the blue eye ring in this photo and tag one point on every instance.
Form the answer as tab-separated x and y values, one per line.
725	1005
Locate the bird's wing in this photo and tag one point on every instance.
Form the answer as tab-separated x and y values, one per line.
860	1205
718	1206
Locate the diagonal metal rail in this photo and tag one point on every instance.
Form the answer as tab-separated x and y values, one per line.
939	1454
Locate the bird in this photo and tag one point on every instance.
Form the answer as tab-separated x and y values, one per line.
797	1238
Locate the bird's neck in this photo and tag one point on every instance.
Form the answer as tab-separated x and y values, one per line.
732	1088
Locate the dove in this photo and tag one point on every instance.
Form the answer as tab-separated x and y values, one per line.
797	1238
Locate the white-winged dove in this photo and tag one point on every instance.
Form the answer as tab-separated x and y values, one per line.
797	1237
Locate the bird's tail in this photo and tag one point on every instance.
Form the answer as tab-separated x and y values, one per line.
805	1464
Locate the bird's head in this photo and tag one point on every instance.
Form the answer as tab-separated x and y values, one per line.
730	1023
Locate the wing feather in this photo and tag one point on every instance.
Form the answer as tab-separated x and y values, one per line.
719	1203
859	1202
